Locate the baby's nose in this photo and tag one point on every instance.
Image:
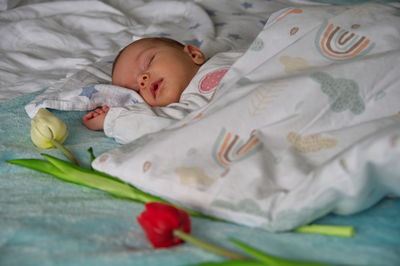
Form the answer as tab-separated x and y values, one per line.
143	79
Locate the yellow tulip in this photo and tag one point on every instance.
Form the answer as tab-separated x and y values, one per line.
46	127
48	131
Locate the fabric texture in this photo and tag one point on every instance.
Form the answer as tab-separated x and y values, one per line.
86	87
293	129
45	221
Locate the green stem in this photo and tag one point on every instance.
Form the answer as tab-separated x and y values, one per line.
269	259
331	230
91	154
217	250
64	150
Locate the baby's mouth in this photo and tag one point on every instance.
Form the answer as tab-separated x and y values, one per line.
155	87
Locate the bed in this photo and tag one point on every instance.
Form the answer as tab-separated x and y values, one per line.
57	50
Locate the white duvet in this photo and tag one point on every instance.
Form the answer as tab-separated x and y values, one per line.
305	123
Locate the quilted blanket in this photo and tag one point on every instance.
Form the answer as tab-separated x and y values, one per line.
305	122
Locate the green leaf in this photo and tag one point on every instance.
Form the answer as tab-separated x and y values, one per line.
82	176
233	263
269	259
331	230
94	179
38	165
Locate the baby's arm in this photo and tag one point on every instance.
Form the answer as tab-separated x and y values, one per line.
94	120
128	123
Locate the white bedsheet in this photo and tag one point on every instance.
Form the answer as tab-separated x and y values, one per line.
305	123
303	133
43	42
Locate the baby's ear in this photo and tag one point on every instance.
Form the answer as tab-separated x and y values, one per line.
195	53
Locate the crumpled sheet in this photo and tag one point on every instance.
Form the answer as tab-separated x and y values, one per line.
298	127
46	44
45	221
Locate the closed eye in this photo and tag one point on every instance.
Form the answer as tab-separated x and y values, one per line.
149	60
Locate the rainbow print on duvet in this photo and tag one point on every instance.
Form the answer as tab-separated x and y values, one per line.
336	43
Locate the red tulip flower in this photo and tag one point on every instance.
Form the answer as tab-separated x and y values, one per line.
160	220
167	226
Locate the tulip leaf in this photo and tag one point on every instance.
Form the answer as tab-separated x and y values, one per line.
331	230
82	176
38	165
94	179
233	263
269	259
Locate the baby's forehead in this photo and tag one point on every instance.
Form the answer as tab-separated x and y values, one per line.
137	47
128	56
131	51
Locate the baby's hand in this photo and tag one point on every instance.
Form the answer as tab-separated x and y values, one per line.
94	120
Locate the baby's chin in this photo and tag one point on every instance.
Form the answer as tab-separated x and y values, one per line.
165	102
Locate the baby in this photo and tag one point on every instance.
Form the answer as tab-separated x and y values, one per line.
159	69
173	79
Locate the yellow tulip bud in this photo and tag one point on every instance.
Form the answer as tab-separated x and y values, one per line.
45	128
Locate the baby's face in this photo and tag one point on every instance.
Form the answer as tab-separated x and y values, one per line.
158	72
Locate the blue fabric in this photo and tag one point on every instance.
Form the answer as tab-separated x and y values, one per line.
45	221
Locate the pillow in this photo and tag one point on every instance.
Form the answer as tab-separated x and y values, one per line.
84	90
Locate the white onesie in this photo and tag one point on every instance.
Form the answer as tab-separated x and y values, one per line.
127	123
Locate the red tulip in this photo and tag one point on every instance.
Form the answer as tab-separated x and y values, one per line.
167	226
160	220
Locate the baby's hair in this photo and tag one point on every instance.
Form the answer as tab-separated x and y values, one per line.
160	40
168	41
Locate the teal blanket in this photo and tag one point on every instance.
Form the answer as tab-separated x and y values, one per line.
45	221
